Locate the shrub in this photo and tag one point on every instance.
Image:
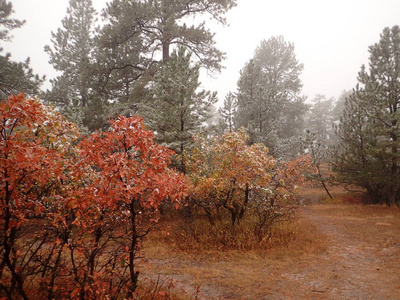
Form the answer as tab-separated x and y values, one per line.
231	179
72	216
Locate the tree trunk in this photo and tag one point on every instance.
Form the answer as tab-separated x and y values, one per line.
182	145
322	180
132	252
246	201
165	51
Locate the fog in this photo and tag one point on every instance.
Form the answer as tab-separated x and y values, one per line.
331	38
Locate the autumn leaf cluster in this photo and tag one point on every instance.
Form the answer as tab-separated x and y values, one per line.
74	209
238	181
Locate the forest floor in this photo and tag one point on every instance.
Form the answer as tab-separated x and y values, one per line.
342	251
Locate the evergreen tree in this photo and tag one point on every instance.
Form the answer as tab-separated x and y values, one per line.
336	113
136	41
15	77
369	153
228	111
269	101
121	60
72	55
178	110
319	120
162	23
6	23
249	114
351	158
338	106
212	121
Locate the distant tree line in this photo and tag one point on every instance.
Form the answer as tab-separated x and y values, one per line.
357	135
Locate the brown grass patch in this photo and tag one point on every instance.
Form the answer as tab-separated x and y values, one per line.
233	273
297	236
368	223
295	265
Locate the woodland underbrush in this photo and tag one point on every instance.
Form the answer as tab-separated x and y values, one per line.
195	236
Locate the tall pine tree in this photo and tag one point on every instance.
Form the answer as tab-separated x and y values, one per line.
249	114
137	39
319	119
121	57
72	55
178	110
369	153
164	23
269	103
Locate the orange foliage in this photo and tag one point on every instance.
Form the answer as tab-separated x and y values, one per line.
225	170
228	174
72	216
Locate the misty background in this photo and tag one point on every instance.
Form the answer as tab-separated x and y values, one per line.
331	38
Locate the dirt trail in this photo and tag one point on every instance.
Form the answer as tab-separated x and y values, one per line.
352	267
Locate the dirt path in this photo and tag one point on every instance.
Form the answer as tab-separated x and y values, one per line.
362	261
351	268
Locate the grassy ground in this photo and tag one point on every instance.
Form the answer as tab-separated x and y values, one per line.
232	274
332	251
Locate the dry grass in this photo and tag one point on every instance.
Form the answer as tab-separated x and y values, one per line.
298	264
368	223
299	237
235	273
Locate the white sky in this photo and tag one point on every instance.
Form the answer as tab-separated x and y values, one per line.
331	38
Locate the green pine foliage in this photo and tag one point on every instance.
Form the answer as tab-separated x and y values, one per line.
270	106
72	53
160	24
123	66
319	119
6	23
107	71
227	112
14	76
369	131
18	76
177	109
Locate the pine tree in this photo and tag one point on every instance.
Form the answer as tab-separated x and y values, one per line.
319	119
228	112
72	55
6	23
369	153
163	23
121	60
178	110
338	106
269	103
249	114
352	160
15	77
137	40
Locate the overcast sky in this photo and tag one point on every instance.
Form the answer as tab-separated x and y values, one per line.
331	38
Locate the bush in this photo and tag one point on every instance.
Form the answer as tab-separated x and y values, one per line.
72	216
198	235
241	189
